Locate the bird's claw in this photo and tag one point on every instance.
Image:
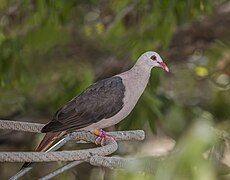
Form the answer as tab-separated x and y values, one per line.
101	137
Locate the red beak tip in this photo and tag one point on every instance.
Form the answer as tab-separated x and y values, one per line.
163	65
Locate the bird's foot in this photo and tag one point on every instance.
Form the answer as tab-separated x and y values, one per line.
101	136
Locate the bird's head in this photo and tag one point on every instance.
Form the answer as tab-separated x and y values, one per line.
152	59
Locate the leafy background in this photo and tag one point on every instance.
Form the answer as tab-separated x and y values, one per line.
52	50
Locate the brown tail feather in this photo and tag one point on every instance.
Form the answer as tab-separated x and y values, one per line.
45	143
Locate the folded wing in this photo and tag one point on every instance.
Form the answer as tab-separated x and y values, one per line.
101	100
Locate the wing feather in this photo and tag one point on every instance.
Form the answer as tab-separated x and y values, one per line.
100	101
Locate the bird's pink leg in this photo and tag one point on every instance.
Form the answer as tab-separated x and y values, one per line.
102	135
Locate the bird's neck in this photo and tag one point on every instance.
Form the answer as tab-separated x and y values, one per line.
141	72
137	76
142	66
135	81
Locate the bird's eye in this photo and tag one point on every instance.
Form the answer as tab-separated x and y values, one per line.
154	58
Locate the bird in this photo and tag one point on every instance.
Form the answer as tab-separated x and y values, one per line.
103	104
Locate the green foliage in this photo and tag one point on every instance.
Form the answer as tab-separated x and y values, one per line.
191	159
32	30
52	50
52	91
122	175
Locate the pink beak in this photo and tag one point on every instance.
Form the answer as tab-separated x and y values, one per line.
163	66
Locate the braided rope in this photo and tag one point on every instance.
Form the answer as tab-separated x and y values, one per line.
21	126
85	154
77	156
109	148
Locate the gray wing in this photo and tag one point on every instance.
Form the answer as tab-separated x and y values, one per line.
101	100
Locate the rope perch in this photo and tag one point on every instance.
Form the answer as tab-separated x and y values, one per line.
21	126
109	148
77	156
